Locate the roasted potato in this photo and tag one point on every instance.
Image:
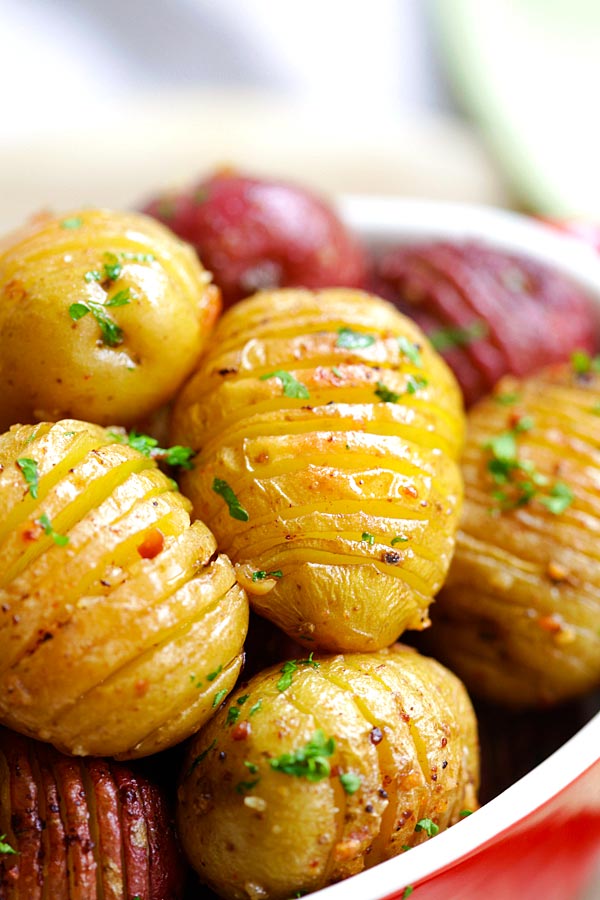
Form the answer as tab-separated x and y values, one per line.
323	766
120	623
256	233
519	617
327	432
480	306
82	829
102	317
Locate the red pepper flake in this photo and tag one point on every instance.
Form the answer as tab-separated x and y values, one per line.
241	732
152	544
141	687
550	623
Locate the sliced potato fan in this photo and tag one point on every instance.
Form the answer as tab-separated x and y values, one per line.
108	597
327	432
321	767
519	617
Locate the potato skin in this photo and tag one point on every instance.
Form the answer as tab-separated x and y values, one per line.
519	617
82	829
332	477
401	723
104	638
71	371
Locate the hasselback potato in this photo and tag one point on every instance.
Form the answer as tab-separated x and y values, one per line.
119	621
82	829
326	431
519	617
111	312
323	766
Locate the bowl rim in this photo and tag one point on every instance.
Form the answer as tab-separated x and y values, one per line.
394	220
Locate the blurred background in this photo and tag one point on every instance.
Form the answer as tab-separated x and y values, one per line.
492	101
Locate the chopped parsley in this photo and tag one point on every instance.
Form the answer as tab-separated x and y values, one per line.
243	786
219	697
72	223
241	700
336	372
407	891
92	275
172	456
415	383
350	782
582	363
252	767
507	398
261	574
454	336
291	387
385	394
197	682
518	480
29	468
399	539
410	351
353	340
59	539
310	762
368	538
212	675
465	812
233	714
428	826
289	667
138	257
5	847
236	510
200	758
112	267
255	708
112	334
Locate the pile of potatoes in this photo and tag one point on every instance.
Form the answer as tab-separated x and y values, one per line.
316	436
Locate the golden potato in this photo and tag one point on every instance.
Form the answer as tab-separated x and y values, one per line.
102	316
327	431
120	624
321	767
519	617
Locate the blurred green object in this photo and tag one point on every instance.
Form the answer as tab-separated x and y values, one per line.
528	71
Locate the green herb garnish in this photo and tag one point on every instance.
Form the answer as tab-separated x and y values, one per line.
559	498
233	714
112	334
60	539
291	666
291	387
5	847
29	468
200	758
71	224
399	539
353	340
385	394
336	372
465	812
415	383
112	267
243	786
582	363
407	891
507	398
350	782
252	767
255	708
212	675
428	826
368	538
92	275
454	336
172	456
261	574
241	700
236	510
310	761
410	351
218	697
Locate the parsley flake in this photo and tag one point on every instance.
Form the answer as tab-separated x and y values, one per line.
291	666
201	757
172	456
465	812
72	223
92	275
410	351
5	847
428	826
236	510
559	499
29	468
445	339
507	398
219	697
368	538
121	298
261	574
353	340
582	363
233	714
399	539
415	383
255	708
407	891
212	675
291	387
310	761
385	394
241	700
60	539
243	786
350	782
112	267
112	334
252	767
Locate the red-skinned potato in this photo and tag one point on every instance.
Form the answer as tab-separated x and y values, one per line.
255	233
319	768
120	623
111	312
489	312
82	829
